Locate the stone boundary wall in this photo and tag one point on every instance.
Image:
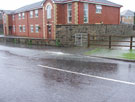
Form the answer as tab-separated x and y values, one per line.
1	28
65	34
27	41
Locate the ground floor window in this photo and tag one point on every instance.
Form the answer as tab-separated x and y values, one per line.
20	28
37	28
85	12
24	29
69	13
13	28
32	28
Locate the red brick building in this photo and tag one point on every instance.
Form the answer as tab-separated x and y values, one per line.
39	20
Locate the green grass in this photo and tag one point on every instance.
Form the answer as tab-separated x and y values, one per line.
130	55
92	51
1	33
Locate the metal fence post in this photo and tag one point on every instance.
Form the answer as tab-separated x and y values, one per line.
110	38
131	42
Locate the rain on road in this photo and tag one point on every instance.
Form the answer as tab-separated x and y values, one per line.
31	75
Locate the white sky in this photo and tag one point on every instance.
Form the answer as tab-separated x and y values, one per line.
14	4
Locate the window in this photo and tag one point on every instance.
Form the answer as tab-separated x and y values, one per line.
13	17
32	28
69	12
24	29
13	28
19	15
36	13
37	28
126	17
23	15
5	19
49	11
20	28
31	14
85	13
98	9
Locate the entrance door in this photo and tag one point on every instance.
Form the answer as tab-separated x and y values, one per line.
49	32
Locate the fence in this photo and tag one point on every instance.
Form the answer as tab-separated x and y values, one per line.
110	40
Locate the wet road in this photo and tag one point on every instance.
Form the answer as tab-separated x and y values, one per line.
30	75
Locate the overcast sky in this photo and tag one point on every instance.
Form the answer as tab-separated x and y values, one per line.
14	4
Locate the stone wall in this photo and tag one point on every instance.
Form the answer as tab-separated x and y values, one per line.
65	34
1	28
27	41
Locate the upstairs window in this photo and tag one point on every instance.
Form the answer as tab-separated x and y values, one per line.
31	14
36	13
49	8
85	13
19	15
5	19
69	13
20	28
23	15
13	17
98	9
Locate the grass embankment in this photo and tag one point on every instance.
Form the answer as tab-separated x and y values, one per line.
124	54
92	51
129	55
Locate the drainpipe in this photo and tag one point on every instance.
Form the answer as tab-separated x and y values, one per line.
134	18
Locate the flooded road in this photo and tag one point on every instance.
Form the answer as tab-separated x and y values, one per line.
47	75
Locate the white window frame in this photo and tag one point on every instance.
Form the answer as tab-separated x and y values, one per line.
37	28
36	13
23	15
99	9
24	28
19	16
68	13
14	28
31	14
31	28
49	11
20	28
13	17
86	9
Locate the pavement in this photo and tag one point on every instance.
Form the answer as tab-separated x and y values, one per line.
46	74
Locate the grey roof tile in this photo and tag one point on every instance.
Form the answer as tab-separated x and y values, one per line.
29	7
39	5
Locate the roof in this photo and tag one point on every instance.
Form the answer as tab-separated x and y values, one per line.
101	2
8	11
38	5
33	6
127	13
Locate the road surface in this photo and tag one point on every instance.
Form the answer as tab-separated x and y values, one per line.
46	75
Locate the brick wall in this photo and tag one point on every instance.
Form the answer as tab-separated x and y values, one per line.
109	15
66	33
127	20
27	21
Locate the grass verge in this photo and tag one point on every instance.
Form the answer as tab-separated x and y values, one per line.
92	51
130	55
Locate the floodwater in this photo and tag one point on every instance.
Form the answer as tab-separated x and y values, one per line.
23	80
